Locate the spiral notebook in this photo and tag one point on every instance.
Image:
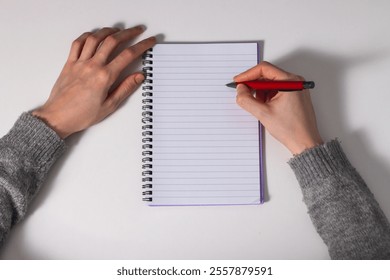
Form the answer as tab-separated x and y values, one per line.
199	147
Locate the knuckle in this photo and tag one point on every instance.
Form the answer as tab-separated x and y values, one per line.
106	29
80	40
129	53
92	39
103	75
76	43
111	40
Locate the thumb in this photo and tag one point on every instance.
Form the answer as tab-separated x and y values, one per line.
248	102
122	91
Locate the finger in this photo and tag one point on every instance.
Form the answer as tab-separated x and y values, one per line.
261	95
124	90
271	94
77	46
264	70
114	40
93	41
249	103
129	54
265	95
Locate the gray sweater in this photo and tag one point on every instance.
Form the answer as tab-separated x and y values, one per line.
343	210
341	207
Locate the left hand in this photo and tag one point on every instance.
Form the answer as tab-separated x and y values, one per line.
82	95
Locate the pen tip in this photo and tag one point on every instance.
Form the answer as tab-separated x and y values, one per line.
231	85
308	84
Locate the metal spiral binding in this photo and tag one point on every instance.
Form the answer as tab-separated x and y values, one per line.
147	127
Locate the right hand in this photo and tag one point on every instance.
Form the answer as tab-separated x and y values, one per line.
287	116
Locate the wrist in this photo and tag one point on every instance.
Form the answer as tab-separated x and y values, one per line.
51	121
302	146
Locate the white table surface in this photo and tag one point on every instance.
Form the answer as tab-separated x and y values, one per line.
91	207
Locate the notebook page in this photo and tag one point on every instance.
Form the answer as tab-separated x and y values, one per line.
205	147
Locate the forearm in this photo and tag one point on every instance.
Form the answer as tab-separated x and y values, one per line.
26	154
342	208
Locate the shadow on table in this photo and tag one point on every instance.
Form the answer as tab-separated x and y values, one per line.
329	99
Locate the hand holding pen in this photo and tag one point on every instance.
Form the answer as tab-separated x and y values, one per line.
288	116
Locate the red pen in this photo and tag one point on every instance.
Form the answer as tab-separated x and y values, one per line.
275	85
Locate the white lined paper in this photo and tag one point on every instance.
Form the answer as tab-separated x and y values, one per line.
205	148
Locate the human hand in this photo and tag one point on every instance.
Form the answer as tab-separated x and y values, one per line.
83	94
288	116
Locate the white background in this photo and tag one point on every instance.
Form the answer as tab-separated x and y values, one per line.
90	206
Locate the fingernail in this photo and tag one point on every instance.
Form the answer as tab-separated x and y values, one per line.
139	78
240	87
141	27
159	37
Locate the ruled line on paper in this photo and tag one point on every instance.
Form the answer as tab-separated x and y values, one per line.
168	172
189	91
204	178
205	190
211	128
170	134
201	66
222	196
214	184
206	122
203	159
204	54
188	153
197	60
184	97
202	165
206	140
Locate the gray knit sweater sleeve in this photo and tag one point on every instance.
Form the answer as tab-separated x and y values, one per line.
342	208
26	154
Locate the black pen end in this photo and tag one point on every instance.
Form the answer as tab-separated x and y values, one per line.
231	85
309	84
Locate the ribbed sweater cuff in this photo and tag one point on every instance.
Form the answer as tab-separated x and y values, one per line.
32	137
319	162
